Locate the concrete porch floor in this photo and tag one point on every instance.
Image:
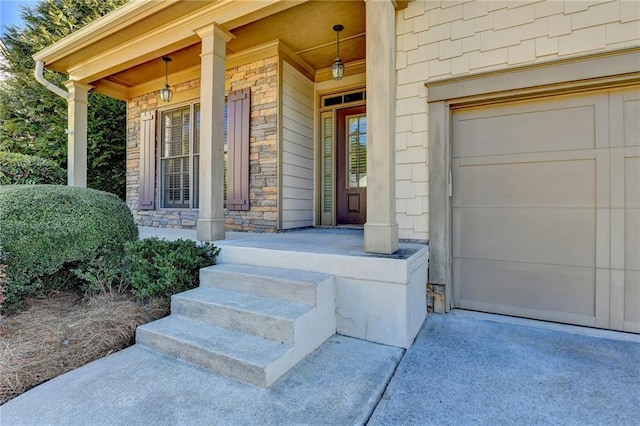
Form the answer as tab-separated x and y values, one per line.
337	241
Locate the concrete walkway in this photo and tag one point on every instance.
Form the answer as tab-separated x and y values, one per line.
464	368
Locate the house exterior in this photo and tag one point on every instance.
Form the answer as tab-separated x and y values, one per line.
504	133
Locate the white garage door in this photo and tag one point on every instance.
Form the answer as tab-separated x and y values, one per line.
546	209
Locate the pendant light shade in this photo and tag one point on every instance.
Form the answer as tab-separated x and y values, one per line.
166	93
338	67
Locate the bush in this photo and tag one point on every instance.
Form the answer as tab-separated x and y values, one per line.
50	231
160	268
27	169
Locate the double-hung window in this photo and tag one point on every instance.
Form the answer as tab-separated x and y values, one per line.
179	157
179	151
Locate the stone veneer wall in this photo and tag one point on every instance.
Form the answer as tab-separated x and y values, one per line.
164	218
262	77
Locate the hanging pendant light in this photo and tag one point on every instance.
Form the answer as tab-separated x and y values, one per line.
338	67
166	94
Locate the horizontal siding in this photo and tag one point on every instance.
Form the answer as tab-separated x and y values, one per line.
299	193
297	144
297	216
291	204
296	182
299	163
297	149
301	116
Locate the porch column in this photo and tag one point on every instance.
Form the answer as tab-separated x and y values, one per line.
210	225
381	229
77	133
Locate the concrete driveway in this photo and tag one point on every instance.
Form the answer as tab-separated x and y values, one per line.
463	369
467	368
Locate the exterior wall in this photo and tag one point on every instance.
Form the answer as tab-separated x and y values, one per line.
443	39
165	218
297	149
262	77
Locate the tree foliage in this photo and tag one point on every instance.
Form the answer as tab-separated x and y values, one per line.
21	169
33	120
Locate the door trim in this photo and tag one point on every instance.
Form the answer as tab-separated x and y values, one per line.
322	217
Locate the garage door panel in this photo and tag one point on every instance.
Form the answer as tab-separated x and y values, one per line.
539	287
632	213
550	236
632	300
543	130
631	122
539	184
632	182
546	208
632	239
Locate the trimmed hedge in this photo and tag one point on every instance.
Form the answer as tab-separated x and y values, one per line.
50	231
26	169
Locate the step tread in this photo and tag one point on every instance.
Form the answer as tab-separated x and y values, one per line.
245	348
288	275
246	302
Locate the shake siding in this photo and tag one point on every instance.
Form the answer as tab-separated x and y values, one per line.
297	149
437	40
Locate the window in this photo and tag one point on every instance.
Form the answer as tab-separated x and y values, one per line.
179	157
178	178
357	151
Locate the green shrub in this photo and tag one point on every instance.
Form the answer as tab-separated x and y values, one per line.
50	231
27	169
160	268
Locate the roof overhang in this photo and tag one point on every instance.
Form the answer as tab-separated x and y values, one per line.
113	43
120	53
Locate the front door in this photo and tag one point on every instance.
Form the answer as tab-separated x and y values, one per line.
351	166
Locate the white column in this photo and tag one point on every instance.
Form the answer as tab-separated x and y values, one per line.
77	133
210	225
381	229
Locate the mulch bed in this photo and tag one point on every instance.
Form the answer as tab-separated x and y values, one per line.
64	331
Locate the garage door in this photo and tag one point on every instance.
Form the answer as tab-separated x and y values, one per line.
546	209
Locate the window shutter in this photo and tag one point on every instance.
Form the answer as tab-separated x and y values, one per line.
239	104
146	180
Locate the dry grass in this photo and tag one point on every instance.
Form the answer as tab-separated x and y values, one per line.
63	332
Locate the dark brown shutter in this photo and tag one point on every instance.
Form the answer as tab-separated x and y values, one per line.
238	143
146	180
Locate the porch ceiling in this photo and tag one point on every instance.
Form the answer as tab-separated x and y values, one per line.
305	27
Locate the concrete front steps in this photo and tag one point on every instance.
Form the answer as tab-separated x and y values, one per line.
248	322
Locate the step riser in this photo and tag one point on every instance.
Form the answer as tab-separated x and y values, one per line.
272	328
206	359
289	291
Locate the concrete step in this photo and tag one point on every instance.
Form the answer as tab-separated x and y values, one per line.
248	358
246	313
284	284
251	323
